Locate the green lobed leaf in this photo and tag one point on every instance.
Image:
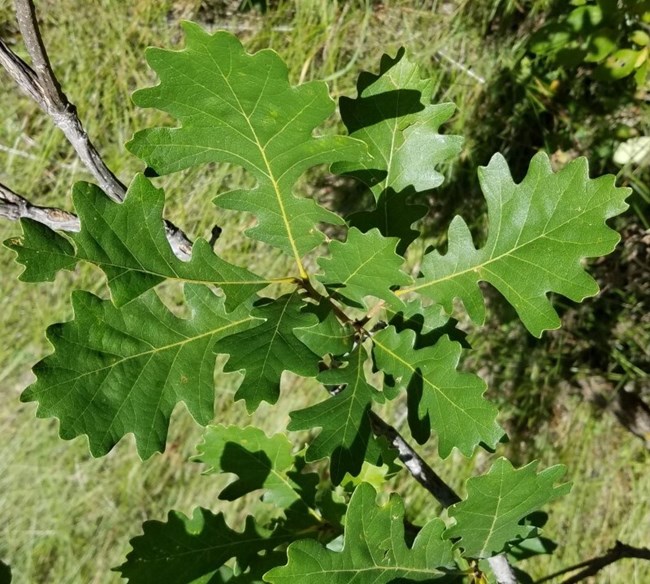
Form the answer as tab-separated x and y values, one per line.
327	336
618	65
551	38
365	265
346	435
529	548
440	398
540	230
241	109
187	550
374	549
128	242
42	251
491	514
584	19
270	348
601	43
120	370
393	115
259	461
253	575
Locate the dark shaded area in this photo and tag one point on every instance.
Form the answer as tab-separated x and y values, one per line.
367	78
251	476
362	112
394	214
5	573
420	427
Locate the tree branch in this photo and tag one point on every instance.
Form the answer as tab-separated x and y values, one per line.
55	103
28	24
419	469
20	72
41	84
594	565
14	207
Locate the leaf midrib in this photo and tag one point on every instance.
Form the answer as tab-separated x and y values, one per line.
149	272
153	351
269	173
479	266
416	371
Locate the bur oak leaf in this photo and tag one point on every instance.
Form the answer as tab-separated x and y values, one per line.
186	550
328	336
346	436
374	549
42	251
539	233
260	462
491	515
122	370
269	348
440	398
128	242
365	265
394	216
239	108
394	116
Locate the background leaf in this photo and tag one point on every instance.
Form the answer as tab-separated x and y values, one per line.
496	503
539	231
120	370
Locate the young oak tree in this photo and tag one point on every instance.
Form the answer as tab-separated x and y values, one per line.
123	363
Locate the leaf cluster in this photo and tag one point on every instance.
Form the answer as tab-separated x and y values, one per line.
361	312
600	32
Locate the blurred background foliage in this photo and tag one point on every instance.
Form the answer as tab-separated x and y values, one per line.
567	77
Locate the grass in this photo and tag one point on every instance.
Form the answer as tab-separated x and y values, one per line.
67	517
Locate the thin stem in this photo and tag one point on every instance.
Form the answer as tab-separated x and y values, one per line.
594	565
418	468
308	287
14	207
374	311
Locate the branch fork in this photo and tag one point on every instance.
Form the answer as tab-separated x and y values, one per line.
41	84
